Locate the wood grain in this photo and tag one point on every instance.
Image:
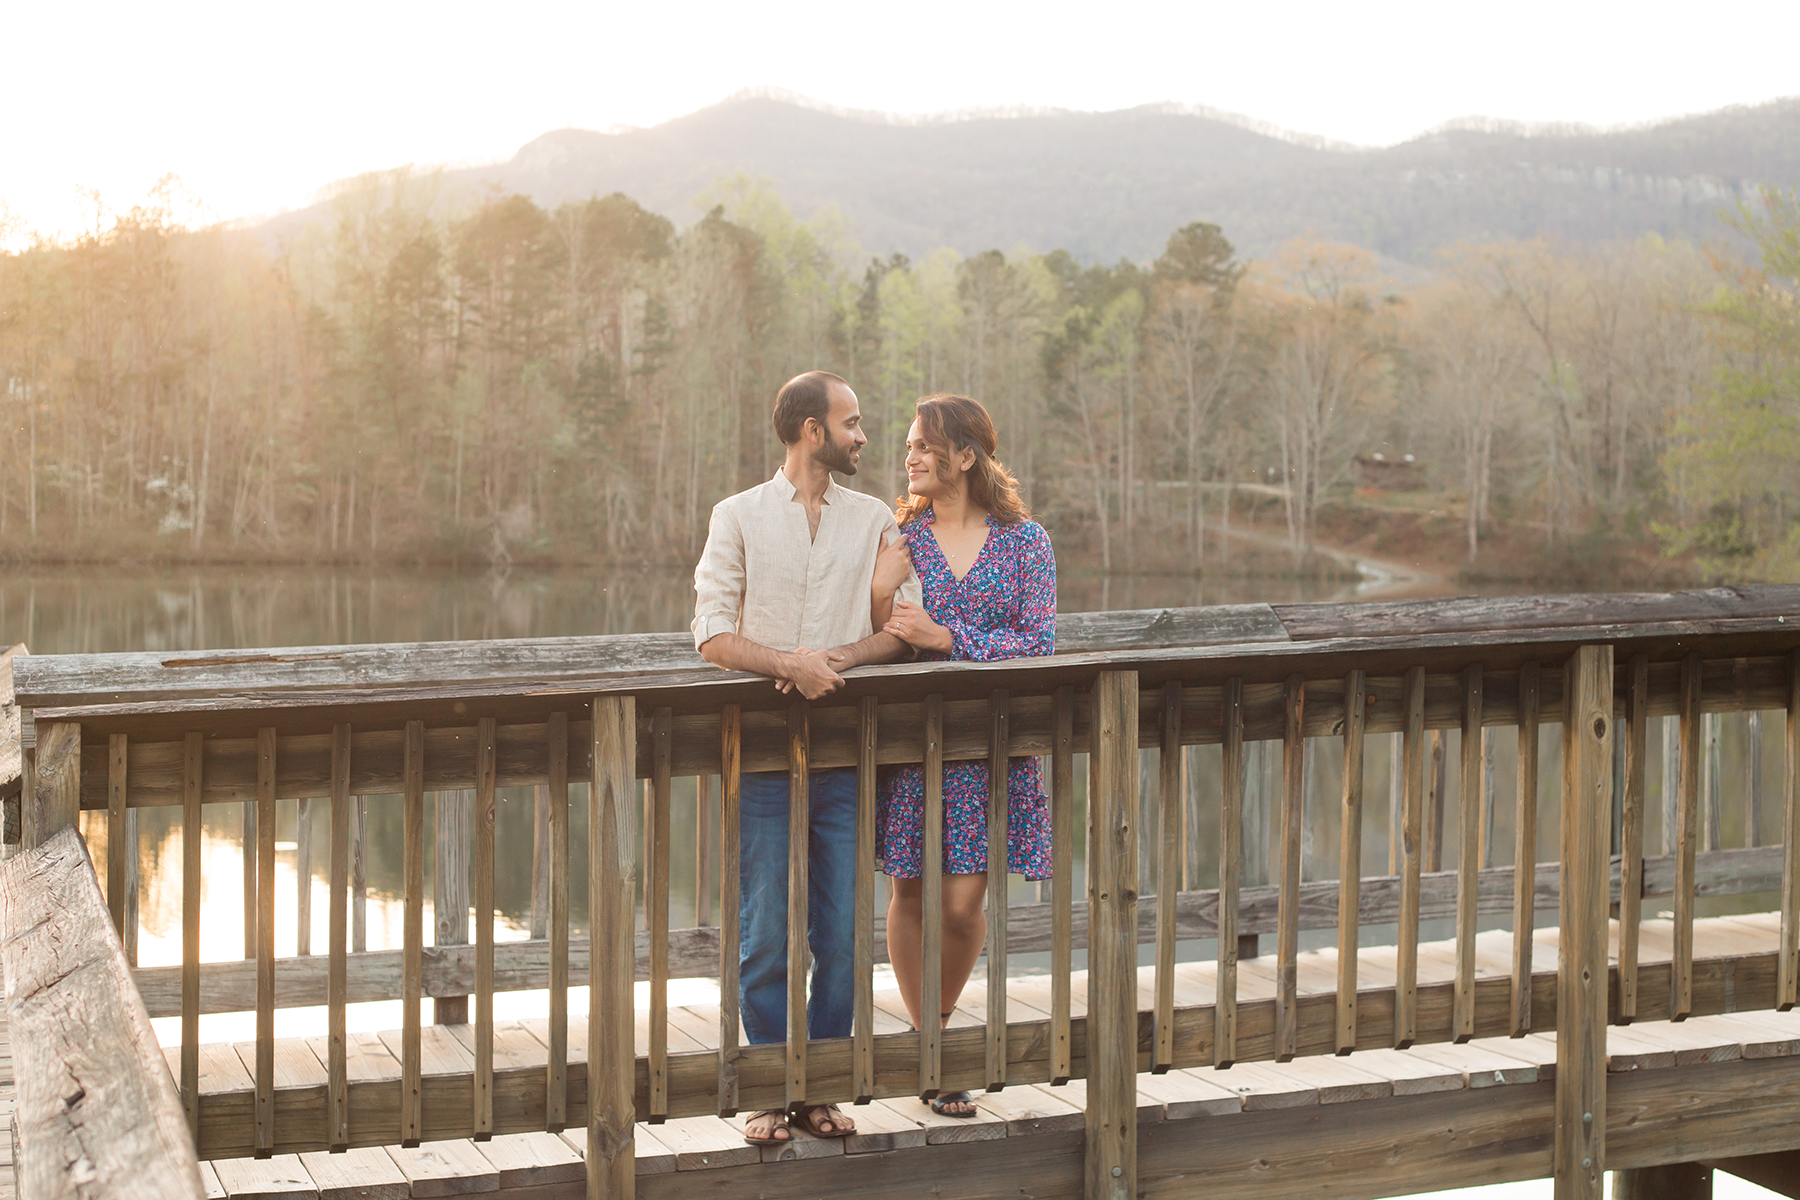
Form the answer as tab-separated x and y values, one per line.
55	800
1350	862
337	1093
265	944
1468	855
412	867
98	1114
656	912
1231	833
1062	879
1411	826
486	753
1686	834
1111	1144
1293	822
1525	849
193	759
556	1067
931	902
1169	842
798	897
729	899
999	742
115	829
1789	986
1631	832
863	1025
612	851
1582	977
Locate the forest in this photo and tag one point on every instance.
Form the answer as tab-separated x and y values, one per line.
507	383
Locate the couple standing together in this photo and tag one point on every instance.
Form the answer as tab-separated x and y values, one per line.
803	579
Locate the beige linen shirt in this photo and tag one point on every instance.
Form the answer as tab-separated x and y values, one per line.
765	577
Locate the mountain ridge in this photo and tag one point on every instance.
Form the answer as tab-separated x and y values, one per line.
1112	185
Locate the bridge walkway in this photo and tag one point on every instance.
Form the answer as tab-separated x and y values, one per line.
676	1156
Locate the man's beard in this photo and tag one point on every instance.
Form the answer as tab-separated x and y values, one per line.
835	456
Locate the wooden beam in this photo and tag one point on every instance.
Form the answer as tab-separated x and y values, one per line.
1524	909
556	1067
798	898
97	1111
1350	825
611	1065
1169	840
931	902
863	1024
265	946
1293	820
56	782
1631	848
1789	992
193	759
1111	1146
656	913
730	879
1580	1155
412	868
1231	835
1687	832
337	1094
998	845
1062	881
1411	827
1468	855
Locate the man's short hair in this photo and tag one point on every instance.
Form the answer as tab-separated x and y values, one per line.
805	395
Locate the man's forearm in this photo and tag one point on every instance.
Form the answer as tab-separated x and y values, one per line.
878	647
734	652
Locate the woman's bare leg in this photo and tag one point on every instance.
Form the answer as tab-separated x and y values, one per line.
965	936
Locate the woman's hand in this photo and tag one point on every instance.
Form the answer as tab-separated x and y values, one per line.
893	566
914	626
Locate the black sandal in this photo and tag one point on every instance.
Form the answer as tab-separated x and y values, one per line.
939	1102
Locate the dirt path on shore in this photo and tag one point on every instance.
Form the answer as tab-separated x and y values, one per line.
1377	577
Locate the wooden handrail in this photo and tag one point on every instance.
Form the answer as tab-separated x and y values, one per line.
98	1114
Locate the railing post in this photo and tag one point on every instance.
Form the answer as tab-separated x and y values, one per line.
55	797
1581	976
612	850
1112	1028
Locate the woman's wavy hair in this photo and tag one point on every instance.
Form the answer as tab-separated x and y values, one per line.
953	423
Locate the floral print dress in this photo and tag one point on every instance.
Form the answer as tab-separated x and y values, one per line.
1005	607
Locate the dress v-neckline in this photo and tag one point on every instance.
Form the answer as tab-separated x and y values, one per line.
987	535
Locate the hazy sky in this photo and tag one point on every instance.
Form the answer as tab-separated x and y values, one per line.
255	106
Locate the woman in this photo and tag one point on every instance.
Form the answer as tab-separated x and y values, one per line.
990	593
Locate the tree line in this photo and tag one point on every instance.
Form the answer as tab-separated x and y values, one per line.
507	381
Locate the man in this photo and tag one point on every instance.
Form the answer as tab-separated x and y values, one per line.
782	589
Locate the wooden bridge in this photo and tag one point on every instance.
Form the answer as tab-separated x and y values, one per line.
1448	1010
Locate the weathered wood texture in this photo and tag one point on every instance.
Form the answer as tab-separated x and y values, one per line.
1580	1153
98	1114
1111	1145
11	760
154	766
694	953
83	679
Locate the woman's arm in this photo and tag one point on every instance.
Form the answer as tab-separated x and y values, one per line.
1033	632
893	567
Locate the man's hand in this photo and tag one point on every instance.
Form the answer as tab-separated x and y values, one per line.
914	626
809	671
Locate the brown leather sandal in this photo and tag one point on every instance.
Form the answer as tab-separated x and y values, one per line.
814	1114
777	1125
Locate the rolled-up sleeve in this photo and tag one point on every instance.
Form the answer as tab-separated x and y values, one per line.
911	591
719	578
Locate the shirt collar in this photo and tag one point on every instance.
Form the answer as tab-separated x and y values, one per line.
788	491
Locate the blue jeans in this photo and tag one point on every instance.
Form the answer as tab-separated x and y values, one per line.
831	908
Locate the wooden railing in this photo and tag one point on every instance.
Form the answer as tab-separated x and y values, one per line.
115	734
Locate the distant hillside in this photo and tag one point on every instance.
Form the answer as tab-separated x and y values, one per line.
1112	185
